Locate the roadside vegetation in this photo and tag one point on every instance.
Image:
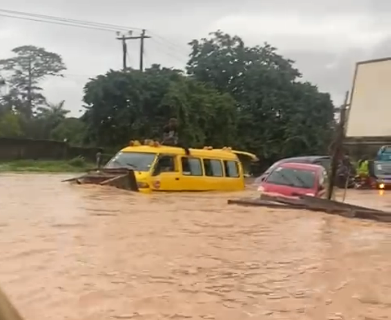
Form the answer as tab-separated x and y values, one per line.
229	94
53	166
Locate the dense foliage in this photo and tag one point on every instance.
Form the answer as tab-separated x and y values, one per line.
230	94
24	110
137	105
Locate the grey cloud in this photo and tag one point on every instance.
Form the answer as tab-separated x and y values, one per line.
332	72
173	23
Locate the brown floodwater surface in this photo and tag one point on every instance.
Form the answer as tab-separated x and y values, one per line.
88	252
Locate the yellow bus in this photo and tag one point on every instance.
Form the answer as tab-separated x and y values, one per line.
165	168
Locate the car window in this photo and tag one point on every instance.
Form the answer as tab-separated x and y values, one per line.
325	163
298	178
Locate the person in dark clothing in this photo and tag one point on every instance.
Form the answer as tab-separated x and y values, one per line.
170	135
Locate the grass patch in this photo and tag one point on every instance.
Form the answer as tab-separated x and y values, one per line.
74	165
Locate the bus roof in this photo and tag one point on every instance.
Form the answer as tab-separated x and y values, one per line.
202	153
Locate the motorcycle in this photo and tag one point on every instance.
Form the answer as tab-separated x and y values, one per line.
363	182
345	177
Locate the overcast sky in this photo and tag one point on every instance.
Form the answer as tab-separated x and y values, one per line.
325	38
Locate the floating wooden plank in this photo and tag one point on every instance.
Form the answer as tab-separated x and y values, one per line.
112	180
73	179
294	201
316	204
337	204
261	203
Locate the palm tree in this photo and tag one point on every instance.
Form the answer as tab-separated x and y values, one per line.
53	111
51	116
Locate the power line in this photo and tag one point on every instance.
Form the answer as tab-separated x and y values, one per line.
173	54
58	23
77	23
173	45
54	19
95	26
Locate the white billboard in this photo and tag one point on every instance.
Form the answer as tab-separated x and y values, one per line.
370	102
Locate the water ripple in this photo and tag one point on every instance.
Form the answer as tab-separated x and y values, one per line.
89	252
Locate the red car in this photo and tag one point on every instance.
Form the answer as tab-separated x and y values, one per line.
292	179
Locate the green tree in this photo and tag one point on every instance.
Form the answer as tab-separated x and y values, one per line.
71	130
24	72
10	125
278	116
47	118
53	111
133	105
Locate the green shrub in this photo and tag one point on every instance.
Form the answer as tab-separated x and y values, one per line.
78	162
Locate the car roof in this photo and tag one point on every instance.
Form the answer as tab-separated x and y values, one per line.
309	166
304	158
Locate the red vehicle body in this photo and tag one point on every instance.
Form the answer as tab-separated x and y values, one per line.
294	179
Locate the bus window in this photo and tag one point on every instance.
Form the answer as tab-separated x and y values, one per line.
213	168
191	166
231	169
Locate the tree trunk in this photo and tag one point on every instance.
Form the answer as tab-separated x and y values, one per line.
29	95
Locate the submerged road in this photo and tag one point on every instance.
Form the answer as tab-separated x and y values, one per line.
88	252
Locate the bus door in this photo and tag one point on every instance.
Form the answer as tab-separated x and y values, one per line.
166	174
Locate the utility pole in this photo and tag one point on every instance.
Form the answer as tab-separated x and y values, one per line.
142	37
337	147
123	38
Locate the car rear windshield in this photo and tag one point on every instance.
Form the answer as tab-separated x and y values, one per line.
140	161
298	178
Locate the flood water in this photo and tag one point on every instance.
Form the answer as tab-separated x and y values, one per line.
88	252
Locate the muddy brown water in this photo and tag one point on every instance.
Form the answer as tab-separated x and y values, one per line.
88	252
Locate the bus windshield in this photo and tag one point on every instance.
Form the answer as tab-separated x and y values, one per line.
140	161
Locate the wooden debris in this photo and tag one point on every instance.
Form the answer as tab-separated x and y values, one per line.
315	204
119	178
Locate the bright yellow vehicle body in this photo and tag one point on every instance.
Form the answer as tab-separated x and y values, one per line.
165	168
